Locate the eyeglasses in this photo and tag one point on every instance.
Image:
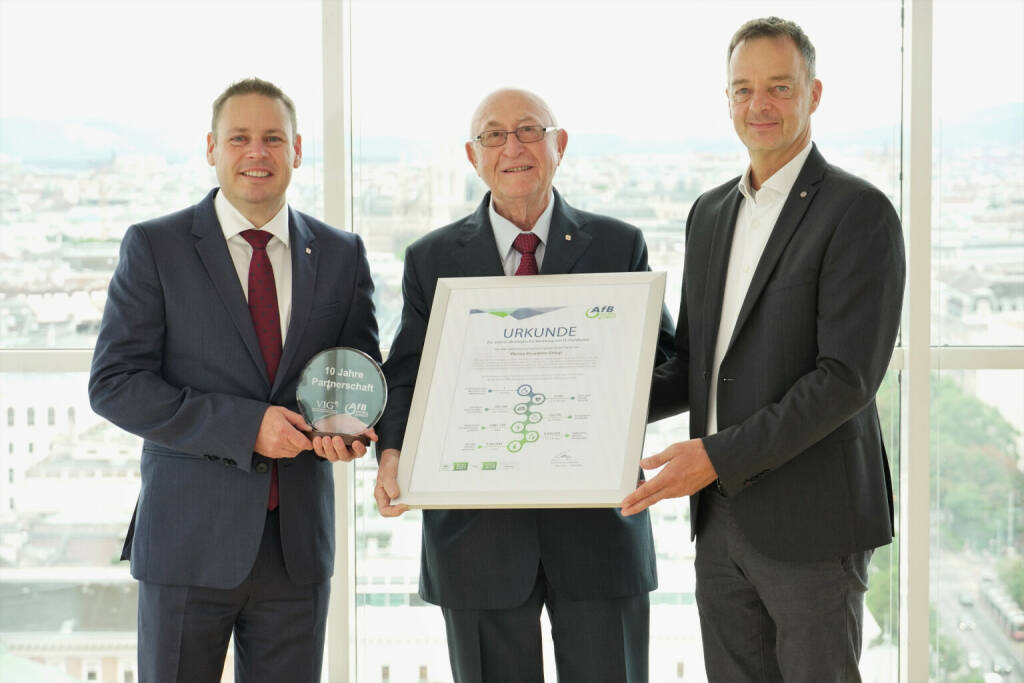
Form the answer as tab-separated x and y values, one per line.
497	138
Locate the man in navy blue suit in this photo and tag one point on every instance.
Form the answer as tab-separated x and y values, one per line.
212	314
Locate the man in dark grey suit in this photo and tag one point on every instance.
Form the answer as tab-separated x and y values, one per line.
234	527
492	571
792	290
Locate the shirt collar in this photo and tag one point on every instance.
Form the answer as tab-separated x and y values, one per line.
781	182
232	222
505	231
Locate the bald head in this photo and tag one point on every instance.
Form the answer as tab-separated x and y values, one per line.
519	174
501	100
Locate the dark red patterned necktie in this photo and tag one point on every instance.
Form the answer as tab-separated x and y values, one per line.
266	318
526	244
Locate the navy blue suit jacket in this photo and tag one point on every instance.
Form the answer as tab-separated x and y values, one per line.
799	447
488	559
177	362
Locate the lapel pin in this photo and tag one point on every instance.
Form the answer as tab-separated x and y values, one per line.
568	238
310	251
803	194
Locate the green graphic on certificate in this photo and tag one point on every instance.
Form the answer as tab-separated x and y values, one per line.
530	417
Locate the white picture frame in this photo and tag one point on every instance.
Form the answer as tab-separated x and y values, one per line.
532	391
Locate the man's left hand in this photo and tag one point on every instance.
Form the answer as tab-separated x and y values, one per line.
333	448
687	470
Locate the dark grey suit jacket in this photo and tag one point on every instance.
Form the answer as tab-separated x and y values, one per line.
488	559
178	363
799	447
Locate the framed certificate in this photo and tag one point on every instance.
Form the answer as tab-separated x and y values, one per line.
532	391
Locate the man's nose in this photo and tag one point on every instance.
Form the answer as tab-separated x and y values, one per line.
512	146
760	99
256	150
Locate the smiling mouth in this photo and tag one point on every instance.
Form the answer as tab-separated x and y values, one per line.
256	174
517	169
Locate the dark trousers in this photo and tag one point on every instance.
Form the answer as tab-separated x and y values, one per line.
279	627
763	619
595	640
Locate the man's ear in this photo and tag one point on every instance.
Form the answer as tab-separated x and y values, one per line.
210	144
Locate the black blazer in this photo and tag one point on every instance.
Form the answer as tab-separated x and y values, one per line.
177	362
799	447
488	559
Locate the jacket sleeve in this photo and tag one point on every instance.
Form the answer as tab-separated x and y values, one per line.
126	385
666	330
670	393
859	300
403	361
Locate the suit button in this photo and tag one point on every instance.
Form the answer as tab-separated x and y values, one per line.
262	467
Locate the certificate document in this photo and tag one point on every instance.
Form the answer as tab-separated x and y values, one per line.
532	391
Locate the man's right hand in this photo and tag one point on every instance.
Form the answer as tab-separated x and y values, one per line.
386	488
279	435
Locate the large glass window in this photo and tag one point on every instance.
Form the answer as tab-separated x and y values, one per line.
104	110
977	570
641	94
977	414
978	175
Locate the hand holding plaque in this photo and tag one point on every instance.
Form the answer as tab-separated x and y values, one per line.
342	392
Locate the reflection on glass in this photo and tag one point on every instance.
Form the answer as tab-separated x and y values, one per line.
977	568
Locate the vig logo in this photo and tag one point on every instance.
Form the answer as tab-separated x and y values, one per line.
600	312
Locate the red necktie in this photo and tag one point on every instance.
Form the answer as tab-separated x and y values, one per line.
526	243
266	318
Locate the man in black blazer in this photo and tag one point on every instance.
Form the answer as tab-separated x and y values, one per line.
492	571
234	528
792	290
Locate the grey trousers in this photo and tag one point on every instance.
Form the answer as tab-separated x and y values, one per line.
279	626
596	641
764	619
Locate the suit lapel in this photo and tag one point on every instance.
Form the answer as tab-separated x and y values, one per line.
566	242
476	251
717	268
793	211
213	252
305	257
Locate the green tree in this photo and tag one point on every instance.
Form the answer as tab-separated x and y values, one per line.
882	598
1011	573
974	473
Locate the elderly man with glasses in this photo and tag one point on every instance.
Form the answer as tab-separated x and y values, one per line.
493	571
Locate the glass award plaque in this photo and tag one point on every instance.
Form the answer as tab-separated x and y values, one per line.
342	392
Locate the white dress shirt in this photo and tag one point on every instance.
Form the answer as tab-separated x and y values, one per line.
232	222
759	211
505	233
